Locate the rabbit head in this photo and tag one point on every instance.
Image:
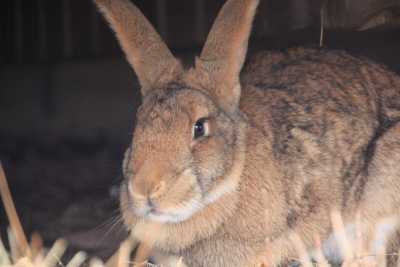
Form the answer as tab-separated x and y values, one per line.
188	145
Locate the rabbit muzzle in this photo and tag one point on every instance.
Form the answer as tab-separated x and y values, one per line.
165	197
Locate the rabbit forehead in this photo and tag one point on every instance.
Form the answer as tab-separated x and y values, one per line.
178	103
166	118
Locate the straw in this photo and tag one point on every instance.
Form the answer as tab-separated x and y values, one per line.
20	237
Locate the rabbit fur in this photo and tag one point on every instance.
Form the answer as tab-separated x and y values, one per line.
286	140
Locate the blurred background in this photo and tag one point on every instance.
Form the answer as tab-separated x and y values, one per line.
68	98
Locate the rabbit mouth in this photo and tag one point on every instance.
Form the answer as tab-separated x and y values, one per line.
177	214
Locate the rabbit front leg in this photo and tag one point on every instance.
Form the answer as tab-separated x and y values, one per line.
315	192
224	251
284	249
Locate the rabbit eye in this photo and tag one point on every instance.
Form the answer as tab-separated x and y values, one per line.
200	128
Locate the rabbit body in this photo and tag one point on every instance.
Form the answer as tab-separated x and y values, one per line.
312	120
322	113
223	168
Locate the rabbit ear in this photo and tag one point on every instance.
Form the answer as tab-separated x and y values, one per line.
149	56
225	50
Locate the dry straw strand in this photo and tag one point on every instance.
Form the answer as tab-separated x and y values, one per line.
54	255
398	259
319	255
340	235
36	245
96	262
77	260
20	237
301	250
4	258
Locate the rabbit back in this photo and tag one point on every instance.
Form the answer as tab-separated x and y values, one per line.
339	101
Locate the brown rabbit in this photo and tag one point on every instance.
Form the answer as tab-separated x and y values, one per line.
224	167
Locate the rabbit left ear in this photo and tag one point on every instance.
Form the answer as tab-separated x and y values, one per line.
225	50
149	56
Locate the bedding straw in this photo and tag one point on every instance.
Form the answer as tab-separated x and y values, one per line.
20	238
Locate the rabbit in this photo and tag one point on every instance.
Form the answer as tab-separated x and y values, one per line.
230	158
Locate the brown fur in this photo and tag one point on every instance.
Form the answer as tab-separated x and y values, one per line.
299	134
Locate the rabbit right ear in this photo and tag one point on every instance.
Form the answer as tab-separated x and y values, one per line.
151	59
225	50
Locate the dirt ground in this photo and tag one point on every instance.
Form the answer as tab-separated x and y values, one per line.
66	184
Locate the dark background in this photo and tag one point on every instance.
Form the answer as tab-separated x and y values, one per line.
68	98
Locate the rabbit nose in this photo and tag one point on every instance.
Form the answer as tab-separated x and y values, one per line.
148	182
158	189
145	188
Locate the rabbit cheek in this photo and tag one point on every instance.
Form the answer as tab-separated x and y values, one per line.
211	161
